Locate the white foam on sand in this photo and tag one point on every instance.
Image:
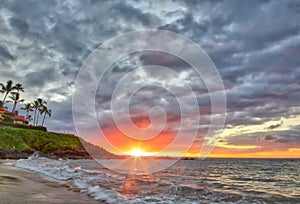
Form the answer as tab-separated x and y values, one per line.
98	192
108	187
79	178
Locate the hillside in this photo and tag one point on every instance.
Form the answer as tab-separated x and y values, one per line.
20	143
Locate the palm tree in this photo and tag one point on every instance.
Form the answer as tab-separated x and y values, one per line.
35	105
45	111
41	103
19	87
15	97
6	89
28	108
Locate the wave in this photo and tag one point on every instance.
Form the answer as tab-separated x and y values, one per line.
165	187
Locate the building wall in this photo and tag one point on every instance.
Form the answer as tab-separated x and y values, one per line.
19	122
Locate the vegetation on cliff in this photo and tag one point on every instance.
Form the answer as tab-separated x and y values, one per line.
52	144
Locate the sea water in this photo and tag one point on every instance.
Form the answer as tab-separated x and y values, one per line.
187	181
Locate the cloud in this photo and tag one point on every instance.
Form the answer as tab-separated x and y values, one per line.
5	54
40	78
275	125
255	47
20	26
270	137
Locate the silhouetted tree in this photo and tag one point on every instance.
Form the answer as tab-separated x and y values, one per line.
6	89
15	98
45	111
27	108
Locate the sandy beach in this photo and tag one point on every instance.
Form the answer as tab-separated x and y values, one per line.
21	186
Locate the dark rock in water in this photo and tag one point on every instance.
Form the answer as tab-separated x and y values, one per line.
65	154
15	154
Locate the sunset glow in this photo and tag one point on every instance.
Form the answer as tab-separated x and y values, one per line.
259	73
137	153
150	101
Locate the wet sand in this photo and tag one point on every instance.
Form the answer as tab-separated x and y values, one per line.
22	186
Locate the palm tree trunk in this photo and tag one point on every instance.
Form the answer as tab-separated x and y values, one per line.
37	120
4	99
34	117
43	120
14	108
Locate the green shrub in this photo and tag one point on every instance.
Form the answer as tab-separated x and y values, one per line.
7	118
17	125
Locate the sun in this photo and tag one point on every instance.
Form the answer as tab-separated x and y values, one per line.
137	153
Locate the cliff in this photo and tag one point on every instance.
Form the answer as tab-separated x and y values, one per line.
16	143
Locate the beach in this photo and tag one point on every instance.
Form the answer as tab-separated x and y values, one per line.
22	186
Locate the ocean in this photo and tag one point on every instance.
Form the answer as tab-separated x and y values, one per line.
187	181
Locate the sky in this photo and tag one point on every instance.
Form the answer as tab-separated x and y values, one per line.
255	46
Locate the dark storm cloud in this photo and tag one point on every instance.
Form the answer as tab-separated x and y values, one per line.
185	24
273	140
275	126
20	26
132	15
255	46
270	137
285	139
163	59
5	54
40	78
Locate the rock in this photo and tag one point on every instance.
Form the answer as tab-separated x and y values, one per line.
14	154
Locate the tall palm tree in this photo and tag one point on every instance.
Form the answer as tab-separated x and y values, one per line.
19	87
41	103
28	108
15	98
6	89
45	111
35	106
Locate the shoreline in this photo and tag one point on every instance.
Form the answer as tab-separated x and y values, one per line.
22	186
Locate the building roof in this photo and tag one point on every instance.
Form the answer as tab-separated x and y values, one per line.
16	117
4	111
20	118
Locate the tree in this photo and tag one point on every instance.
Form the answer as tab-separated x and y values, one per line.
35	105
19	87
15	97
40	103
45	111
28	108
13	92
6	89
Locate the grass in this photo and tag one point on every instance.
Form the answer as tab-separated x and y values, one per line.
23	139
